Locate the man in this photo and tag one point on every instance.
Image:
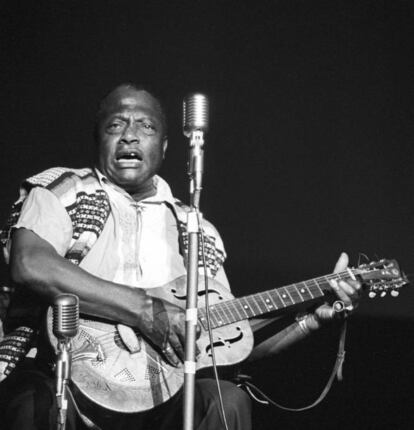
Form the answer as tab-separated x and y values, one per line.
109	235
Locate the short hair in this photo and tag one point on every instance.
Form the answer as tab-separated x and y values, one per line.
132	86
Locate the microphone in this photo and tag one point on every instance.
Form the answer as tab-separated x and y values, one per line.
195	124
66	316
195	113
65	327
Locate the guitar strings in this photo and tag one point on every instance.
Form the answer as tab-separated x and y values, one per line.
225	307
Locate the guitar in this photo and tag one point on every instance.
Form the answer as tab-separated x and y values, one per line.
115	368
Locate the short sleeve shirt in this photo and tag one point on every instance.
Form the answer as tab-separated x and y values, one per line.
139	245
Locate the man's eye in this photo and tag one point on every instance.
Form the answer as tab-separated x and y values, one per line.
147	127
115	126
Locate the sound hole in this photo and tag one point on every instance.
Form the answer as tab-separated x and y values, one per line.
225	341
200	294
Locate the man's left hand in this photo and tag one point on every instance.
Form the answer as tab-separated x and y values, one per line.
348	292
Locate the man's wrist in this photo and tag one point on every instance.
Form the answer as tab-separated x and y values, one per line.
308	323
144	304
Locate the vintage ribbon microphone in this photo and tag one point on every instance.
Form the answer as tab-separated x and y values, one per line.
195	124
65	327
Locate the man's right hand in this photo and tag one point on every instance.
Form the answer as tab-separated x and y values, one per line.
164	325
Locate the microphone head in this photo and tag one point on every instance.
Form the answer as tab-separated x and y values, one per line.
195	113
65	316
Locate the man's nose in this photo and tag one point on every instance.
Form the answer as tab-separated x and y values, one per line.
130	134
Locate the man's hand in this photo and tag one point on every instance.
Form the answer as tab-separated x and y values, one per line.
347	291
164	326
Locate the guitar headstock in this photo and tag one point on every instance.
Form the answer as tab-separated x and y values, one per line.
381	276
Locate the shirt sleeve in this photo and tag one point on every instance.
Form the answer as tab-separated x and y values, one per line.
43	214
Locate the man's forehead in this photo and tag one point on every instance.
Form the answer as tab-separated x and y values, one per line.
129	99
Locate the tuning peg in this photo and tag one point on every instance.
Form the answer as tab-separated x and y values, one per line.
372	294
395	293
383	294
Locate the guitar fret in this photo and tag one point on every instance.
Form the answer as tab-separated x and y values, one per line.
223	306
298	292
318	292
269	302
274	304
305	292
280	298
253	300
203	318
247	307
242	307
294	294
213	316
286	296
236	305
263	307
220	314
229	307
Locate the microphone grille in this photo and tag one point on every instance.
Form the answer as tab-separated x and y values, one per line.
195	113
66	316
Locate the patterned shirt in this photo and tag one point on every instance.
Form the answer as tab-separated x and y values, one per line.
139	244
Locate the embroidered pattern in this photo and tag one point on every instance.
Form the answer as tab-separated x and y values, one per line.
13	347
213	255
10	222
88	214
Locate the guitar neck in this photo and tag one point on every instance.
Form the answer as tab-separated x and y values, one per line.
277	299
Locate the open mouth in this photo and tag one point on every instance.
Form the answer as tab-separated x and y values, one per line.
128	156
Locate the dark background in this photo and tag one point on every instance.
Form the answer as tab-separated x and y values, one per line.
310	153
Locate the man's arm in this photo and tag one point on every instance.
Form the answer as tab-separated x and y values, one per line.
35	264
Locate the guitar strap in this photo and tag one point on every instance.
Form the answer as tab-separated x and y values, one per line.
258	395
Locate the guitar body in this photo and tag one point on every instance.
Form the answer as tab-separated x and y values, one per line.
118	370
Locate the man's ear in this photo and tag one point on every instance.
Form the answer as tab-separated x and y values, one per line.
164	147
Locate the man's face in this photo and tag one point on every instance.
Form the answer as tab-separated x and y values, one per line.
131	139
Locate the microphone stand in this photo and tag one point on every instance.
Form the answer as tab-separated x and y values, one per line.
65	327
63	368
195	171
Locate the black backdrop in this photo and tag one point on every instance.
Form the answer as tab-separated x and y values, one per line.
310	152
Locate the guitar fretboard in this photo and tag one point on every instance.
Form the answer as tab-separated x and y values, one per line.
281	298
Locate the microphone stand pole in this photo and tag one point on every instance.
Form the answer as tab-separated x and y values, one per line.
195	171
63	367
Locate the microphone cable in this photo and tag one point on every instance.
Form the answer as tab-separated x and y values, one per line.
209	329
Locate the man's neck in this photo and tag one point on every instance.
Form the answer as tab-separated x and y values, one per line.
144	193
148	189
